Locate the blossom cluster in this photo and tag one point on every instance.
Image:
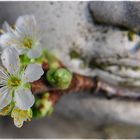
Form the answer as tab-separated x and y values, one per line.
16	76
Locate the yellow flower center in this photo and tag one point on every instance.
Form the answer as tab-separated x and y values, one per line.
14	82
27	42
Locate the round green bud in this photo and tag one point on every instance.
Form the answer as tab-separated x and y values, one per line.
60	77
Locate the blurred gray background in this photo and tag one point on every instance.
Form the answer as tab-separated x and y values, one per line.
66	26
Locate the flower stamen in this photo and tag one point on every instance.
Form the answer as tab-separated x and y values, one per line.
14	82
27	42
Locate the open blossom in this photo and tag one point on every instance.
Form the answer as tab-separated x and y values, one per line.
13	82
24	37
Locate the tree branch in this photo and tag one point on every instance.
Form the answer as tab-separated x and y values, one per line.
80	83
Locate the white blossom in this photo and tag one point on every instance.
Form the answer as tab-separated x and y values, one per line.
24	37
12	81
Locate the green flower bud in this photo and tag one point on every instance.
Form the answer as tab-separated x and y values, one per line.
42	106
54	65
60	78
52	60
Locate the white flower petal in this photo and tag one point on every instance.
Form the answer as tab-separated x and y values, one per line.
20	116
26	25
32	73
18	123
6	27
3	76
24	98
5	97
35	52
12	39
10	60
21	50
6	40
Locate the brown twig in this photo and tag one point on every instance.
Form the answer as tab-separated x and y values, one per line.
79	83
